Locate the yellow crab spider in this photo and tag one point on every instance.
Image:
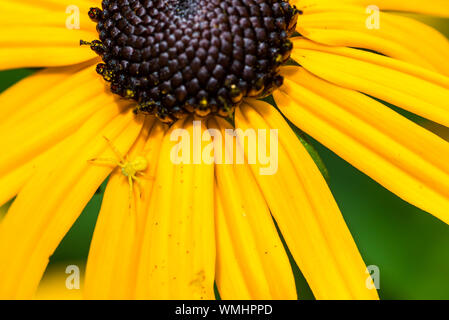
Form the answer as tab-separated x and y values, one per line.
130	169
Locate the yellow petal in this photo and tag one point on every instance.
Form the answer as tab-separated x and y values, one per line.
16	98
37	126
230	277
307	215
111	267
351	25
380	60
55	13
251	260
406	91
177	259
431	7
44	33
398	37
54	197
405	158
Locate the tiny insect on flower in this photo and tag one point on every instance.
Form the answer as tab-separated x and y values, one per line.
130	169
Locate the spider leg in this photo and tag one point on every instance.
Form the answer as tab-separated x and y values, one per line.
131	191
104	161
115	150
144	176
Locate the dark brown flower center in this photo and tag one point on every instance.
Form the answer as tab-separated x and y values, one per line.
176	57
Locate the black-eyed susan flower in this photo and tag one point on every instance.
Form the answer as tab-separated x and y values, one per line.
170	230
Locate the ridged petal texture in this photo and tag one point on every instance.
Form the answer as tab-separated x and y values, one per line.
308	217
251	260
400	155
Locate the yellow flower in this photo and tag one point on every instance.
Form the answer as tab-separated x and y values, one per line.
188	225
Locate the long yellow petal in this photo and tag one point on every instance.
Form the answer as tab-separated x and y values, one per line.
55	120
43	33
409	92
111	267
405	158
340	24
29	133
431	7
307	214
230	278
376	59
16	98
58	14
177	258
54	197
251	260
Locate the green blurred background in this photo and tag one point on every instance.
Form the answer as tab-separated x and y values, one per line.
410	247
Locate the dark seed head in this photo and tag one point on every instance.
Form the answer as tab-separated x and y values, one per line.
176	57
